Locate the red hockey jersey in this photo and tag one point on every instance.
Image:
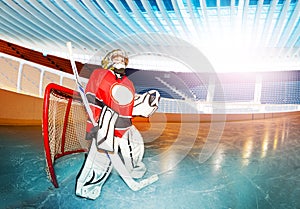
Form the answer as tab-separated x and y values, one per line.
118	94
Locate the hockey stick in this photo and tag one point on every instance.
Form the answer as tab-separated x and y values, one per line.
115	159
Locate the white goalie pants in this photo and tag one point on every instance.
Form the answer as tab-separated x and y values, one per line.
98	166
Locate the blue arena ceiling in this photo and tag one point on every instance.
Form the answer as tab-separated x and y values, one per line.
222	29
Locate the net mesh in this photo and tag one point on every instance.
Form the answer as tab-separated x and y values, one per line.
66	125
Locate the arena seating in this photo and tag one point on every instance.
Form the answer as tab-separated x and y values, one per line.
275	87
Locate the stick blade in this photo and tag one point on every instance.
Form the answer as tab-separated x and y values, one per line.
145	182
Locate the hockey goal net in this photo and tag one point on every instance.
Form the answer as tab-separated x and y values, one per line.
64	125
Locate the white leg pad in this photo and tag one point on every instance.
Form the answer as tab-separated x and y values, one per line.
97	168
132	151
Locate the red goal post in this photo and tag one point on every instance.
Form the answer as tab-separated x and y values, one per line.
64	125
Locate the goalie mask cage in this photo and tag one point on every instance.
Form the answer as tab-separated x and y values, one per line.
64	125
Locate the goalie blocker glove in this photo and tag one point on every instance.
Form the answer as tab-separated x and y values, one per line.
146	104
104	132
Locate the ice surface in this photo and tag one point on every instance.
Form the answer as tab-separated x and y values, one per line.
256	164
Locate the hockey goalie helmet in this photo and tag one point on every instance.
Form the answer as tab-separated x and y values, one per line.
116	60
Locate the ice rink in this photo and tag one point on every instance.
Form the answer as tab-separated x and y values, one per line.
254	164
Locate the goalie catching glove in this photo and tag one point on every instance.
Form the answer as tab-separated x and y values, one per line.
146	104
104	132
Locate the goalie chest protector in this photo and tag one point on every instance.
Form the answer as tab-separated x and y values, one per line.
116	93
